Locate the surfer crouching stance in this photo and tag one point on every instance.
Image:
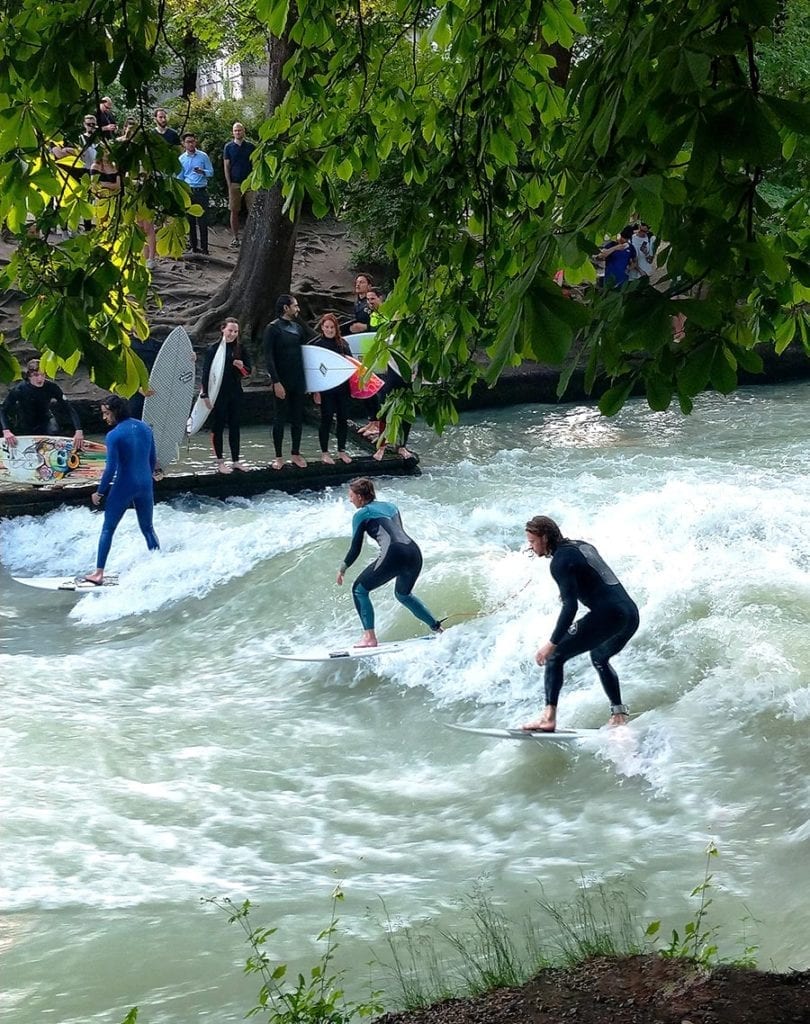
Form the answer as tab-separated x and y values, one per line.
612	618
399	558
127	479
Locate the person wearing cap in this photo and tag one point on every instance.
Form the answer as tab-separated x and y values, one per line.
611	620
31	404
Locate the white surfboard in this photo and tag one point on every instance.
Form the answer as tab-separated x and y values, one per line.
559	736
351	653
172	380
199	414
74	583
324	369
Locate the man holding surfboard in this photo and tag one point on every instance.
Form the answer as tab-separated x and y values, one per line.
612	618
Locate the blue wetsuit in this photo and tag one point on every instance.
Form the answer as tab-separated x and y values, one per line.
399	558
127	480
612	618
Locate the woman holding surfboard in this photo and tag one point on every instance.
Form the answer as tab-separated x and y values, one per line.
227	406
334	403
400	559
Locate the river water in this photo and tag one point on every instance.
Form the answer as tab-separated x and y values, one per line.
154	753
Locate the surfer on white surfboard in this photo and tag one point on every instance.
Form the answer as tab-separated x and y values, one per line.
612	618
400	559
127	480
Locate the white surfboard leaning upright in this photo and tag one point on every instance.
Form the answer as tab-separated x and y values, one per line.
353	653
558	736
199	414
172	380
324	369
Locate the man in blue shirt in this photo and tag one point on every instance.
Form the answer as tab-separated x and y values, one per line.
236	164
196	170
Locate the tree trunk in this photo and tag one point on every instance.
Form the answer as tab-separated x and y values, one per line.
190	64
263	268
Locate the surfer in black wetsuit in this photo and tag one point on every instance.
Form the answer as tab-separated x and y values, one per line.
31	401
283	338
227	408
399	558
612	618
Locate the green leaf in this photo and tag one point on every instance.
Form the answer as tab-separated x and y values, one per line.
274	14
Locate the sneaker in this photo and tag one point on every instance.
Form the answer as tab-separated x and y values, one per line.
234	244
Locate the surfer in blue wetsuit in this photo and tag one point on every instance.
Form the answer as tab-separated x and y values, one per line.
127	479
612	618
399	559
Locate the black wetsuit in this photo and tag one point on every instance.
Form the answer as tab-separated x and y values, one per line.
285	365
32	408
227	409
147	351
335	401
399	558
584	578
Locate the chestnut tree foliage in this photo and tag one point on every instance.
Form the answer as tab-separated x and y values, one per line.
524	129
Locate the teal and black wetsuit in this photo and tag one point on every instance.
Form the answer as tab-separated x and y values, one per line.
583	577
399	558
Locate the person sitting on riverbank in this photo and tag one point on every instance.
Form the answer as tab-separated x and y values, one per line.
361	314
334	403
32	403
611	620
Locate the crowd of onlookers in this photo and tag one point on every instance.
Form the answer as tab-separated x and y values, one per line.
89	154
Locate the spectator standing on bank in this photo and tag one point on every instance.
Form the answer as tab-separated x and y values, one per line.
236	164
106	119
196	171
169	135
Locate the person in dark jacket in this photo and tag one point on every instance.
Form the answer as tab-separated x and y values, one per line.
612	618
32	403
283	338
227	408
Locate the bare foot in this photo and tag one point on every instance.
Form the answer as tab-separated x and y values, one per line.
327	459
277	463
547	722
344	457
379	454
615	720
403	452
223	467
96	577
239	465
366	643
298	460
369	639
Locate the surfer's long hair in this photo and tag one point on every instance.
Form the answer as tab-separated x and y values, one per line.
118	406
340	341
543	526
